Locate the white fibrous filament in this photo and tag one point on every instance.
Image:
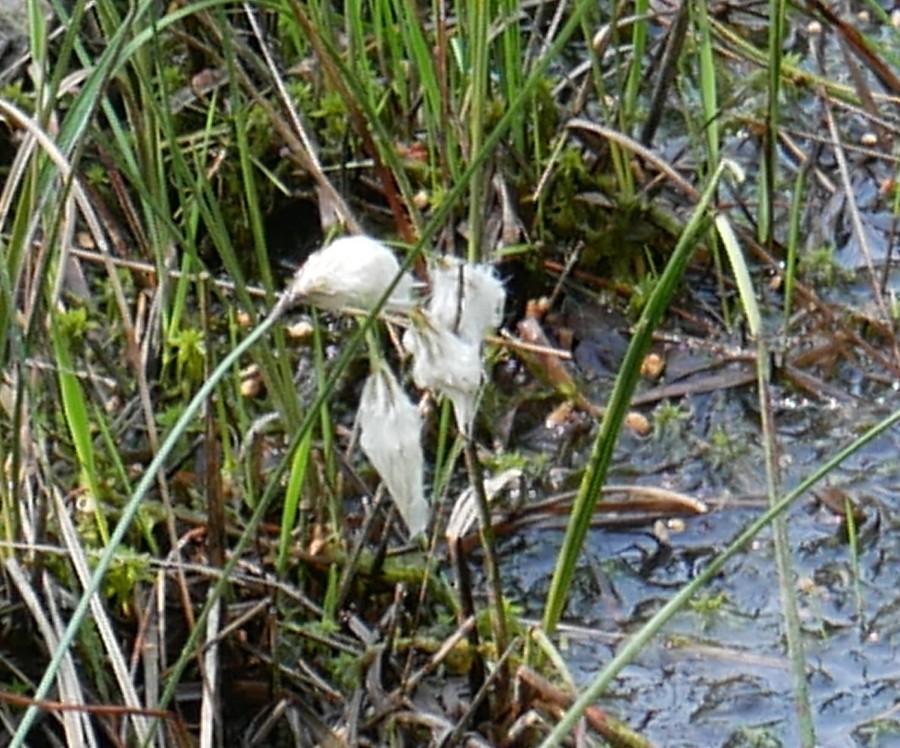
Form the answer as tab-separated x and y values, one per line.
446	364
390	436
466	299
353	272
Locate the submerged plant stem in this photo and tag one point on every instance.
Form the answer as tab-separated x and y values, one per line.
791	616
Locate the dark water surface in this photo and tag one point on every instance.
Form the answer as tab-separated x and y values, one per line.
719	674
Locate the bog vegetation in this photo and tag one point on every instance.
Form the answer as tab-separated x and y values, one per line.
257	492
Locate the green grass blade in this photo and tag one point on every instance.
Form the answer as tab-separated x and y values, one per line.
479	101
511	70
741	274
296	481
629	104
79	423
708	87
769	177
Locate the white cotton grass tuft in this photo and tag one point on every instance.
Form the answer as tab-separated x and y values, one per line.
447	364
353	272
445	340
390	427
466	299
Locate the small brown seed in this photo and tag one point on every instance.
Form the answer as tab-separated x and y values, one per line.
299	331
637	423
252	384
653	366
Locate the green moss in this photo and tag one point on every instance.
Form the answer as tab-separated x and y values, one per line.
708	603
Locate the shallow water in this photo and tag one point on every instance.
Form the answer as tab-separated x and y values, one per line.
719	673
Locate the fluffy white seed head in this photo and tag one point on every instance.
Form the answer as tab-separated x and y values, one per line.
465	299
353	271
447	364
390	428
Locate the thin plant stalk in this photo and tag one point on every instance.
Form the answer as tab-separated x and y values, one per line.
710	101
853	548
793	242
768	181
632	86
479	48
446	451
326	427
491	560
790	614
